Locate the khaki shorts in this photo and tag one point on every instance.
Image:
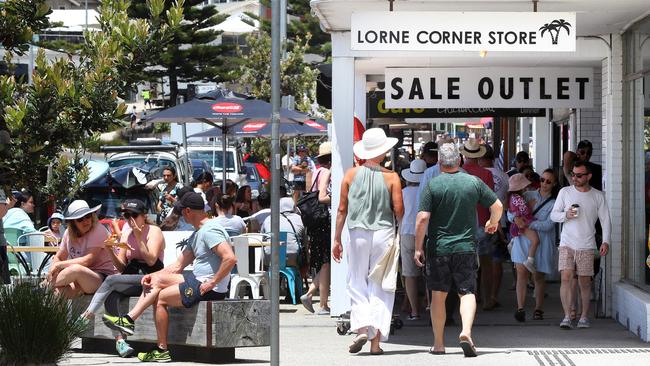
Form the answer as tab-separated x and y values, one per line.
407	252
581	261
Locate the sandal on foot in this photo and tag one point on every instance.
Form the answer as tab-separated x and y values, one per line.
538	314
431	351
377	353
358	342
469	350
520	315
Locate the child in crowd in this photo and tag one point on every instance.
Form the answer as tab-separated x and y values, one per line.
519	208
55	228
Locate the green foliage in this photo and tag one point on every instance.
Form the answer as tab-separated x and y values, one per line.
19	21
70	101
261	147
301	22
191	55
297	78
36	325
68	174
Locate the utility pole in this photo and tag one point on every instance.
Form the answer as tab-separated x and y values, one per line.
276	167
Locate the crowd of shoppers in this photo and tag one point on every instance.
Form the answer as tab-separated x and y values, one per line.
445	211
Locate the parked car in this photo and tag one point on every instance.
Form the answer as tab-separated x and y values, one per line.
199	167
118	184
253	179
153	154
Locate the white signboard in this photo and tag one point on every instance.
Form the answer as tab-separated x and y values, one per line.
463	31
507	87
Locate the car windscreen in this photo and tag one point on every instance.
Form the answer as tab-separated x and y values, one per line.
111	199
215	158
153	165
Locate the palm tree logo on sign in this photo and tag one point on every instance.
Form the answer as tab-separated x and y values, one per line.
554	29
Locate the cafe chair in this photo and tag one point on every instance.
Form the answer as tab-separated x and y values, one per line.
257	279
12	235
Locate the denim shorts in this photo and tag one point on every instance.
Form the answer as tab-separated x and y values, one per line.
191	293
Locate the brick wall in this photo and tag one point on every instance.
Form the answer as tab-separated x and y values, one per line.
590	120
612	157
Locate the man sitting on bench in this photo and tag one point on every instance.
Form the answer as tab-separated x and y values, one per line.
209	248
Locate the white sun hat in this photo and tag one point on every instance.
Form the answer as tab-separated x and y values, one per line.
415	171
79	209
373	144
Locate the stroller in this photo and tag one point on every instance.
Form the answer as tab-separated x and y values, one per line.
343	321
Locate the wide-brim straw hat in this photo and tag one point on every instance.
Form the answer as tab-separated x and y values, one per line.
325	149
415	171
472	149
79	209
374	143
517	182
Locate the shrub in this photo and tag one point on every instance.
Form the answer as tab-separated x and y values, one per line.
36	326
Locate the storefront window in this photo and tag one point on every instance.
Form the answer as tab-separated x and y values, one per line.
636	97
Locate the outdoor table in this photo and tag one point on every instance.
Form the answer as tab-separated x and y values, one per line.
19	250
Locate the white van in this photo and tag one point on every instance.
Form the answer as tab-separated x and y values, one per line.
213	154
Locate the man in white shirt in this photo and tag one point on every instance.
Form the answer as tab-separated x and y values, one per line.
578	207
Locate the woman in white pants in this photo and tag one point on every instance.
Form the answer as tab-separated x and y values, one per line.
367	194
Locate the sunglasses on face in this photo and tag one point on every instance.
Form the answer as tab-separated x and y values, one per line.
128	215
82	219
543	180
579	175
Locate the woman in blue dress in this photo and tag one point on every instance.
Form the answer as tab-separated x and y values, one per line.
544	198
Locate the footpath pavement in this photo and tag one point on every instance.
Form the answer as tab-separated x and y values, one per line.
307	339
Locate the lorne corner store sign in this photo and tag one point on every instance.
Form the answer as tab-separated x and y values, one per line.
463	31
490	87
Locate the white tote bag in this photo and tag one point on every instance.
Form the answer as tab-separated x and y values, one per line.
385	271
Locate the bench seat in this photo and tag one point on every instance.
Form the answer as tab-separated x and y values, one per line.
208	332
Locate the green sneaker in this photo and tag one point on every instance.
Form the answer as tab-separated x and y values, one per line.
155	356
119	323
123	348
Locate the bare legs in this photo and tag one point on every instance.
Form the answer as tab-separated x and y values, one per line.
76	280
321	282
566	291
412	294
438	316
170	296
522	282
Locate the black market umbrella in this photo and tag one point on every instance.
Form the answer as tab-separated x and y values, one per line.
263	129
224	110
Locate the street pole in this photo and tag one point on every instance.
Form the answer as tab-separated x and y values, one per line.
276	167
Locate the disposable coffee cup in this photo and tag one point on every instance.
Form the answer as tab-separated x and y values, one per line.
576	209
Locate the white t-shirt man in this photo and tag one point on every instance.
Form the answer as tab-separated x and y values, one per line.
580	233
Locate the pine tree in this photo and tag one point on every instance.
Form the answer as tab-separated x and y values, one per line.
192	55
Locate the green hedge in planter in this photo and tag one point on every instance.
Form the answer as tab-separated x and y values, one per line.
37	327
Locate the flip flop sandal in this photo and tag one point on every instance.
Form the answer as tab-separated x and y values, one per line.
431	351
358	342
468	348
538	315
378	353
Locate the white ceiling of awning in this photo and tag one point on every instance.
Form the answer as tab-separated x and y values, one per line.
594	17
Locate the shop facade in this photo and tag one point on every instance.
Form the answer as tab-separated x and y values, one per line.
612	46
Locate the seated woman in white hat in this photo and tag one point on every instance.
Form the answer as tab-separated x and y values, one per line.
371	202
82	263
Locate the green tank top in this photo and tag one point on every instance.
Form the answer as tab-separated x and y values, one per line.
369	201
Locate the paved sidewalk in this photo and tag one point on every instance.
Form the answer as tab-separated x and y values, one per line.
312	340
